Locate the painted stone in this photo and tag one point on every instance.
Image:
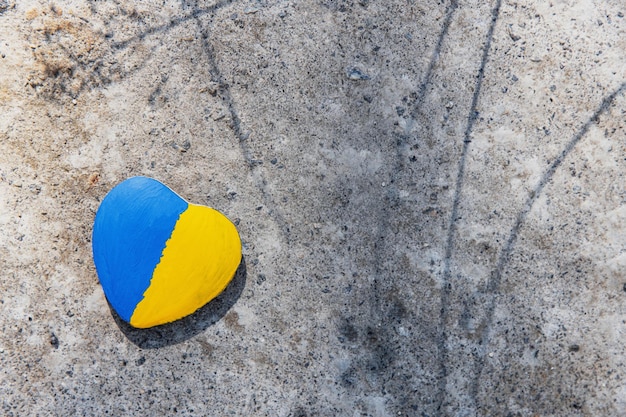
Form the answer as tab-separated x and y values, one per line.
158	257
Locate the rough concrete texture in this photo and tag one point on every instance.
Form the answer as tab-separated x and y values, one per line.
431	196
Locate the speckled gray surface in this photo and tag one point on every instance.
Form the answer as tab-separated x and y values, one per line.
431	197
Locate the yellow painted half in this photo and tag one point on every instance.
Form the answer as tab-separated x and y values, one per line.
199	260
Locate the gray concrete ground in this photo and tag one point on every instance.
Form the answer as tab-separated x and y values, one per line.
431	196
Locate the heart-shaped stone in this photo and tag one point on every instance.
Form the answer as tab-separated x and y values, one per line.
158	257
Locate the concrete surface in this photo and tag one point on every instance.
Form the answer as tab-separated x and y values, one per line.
431	196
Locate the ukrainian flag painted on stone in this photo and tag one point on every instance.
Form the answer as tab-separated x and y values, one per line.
158	257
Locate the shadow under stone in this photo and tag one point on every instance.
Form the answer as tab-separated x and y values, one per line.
189	326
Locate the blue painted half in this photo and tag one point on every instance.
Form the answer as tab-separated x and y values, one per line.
133	223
